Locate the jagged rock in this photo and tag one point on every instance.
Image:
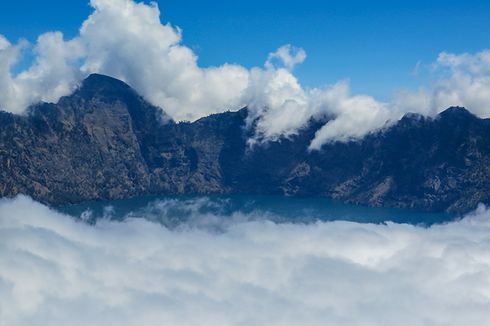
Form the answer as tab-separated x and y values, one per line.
106	142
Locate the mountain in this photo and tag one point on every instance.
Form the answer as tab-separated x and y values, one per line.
106	142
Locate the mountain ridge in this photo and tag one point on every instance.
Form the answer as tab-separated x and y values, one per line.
106	142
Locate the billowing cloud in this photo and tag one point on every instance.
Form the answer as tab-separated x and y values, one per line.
355	116
51	75
464	81
287	55
127	40
55	270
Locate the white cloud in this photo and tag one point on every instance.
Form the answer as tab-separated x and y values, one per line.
476	64
9	55
356	116
287	55
57	271
126	39
464	81
51	75
277	100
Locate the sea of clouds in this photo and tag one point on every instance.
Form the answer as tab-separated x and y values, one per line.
59	270
127	40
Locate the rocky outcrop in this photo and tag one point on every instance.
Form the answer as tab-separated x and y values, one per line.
106	142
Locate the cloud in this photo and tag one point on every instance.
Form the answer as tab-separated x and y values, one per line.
127	40
9	55
51	75
355	116
476	64
288	55
463	80
55	270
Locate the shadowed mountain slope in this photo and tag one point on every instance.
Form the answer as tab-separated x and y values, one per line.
105	142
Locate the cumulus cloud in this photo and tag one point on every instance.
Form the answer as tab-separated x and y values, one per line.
55	270
287	55
354	116
127	40
51	75
463	80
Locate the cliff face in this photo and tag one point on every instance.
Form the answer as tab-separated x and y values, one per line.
105	141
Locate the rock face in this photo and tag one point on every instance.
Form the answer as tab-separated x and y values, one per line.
106	142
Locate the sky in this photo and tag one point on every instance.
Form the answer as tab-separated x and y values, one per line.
362	65
375	44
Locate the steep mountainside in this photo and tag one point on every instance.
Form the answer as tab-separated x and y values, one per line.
106	142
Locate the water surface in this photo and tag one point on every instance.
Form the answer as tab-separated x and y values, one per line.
174	210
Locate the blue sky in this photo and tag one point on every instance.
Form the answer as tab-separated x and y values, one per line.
375	44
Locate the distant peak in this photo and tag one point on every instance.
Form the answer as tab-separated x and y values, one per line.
456	112
100	77
97	83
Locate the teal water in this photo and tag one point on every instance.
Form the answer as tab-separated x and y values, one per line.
175	210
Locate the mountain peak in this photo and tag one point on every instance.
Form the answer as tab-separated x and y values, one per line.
102	84
456	112
100	78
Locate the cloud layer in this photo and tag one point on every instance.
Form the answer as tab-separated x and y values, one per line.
55	270
126	39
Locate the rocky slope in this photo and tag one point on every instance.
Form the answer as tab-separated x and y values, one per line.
106	142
